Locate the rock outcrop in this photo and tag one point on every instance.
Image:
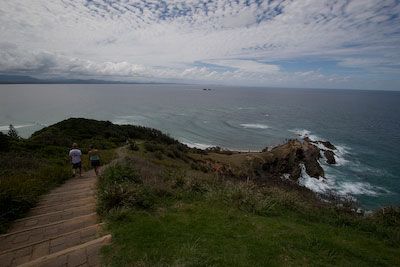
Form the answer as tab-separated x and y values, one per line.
328	145
287	159
330	157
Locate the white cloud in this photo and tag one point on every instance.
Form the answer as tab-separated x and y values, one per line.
166	39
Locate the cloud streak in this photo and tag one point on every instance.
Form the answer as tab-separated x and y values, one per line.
245	42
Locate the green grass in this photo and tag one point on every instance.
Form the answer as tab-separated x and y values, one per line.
20	188
206	234
166	206
199	219
31	167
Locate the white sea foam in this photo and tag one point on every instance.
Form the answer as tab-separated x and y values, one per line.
254	126
340	152
303	133
5	128
341	188
319	185
359	188
245	108
130	119
197	145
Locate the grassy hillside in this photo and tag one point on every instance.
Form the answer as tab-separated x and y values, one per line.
179	211
169	205
31	167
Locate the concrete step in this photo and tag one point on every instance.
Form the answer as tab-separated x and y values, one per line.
41	209
32	251
43	232
52	217
86	254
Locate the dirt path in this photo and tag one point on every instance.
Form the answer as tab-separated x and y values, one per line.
62	230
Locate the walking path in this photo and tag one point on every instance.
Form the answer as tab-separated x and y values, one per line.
62	230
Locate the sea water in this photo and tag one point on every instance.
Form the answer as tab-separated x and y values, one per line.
363	125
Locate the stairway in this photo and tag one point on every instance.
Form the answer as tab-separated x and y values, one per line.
62	230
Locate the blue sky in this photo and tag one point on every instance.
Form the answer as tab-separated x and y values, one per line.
301	43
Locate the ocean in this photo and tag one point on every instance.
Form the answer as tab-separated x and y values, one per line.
364	125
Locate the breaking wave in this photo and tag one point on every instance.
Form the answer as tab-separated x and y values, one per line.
132	119
340	152
254	126
342	188
197	145
332	183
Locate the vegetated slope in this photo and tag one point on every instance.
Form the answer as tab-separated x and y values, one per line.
203	209
101	133
31	167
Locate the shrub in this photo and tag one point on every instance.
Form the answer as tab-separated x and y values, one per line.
121	187
133	146
4	142
152	146
21	191
158	155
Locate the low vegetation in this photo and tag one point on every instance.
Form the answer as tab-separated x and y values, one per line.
164	212
31	167
169	205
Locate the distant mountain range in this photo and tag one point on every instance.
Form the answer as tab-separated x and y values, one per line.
21	79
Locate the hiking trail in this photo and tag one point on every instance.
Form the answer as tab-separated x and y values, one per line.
62	230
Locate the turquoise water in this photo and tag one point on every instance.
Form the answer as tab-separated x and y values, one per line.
364	125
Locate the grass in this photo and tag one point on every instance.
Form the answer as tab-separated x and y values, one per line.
28	175
162	212
204	234
31	167
23	180
168	205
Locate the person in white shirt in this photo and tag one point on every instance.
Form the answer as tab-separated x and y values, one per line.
75	156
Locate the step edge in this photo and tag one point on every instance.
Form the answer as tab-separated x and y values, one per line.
45	225
38	207
103	239
51	238
51	213
77	191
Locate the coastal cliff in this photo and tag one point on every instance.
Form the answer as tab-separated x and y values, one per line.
168	204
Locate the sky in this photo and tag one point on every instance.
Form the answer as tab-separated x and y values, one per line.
352	44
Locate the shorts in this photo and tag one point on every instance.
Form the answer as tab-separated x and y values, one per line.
95	163
77	165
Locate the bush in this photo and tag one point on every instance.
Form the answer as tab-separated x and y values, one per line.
20	192
133	146
121	187
152	147
158	155
4	142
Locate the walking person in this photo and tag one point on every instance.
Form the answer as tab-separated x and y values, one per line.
94	158
75	155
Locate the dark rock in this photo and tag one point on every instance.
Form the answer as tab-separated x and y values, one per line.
312	154
328	145
287	159
330	157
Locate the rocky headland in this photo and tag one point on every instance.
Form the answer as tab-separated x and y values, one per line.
287	160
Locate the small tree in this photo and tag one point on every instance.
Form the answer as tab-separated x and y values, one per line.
12	132
4	142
